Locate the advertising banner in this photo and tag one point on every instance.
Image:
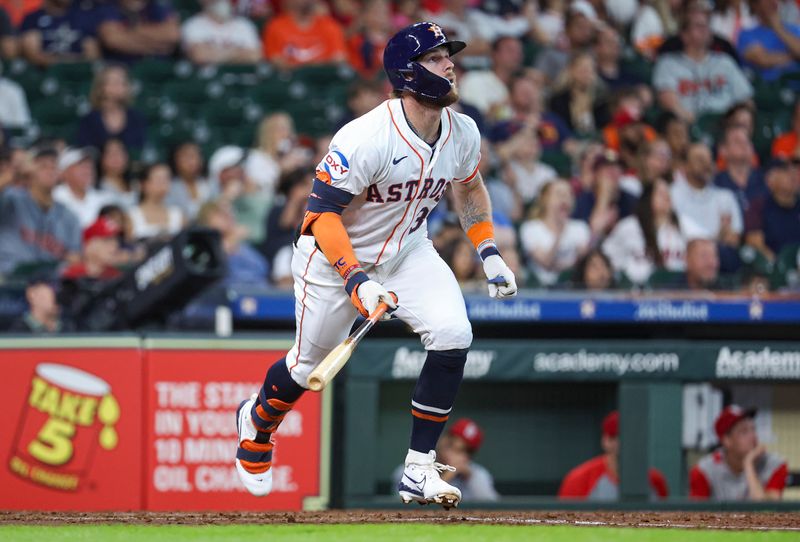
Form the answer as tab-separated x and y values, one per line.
71	429
191	437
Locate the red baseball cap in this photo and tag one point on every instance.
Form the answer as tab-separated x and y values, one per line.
730	416
611	424
469	431
102	227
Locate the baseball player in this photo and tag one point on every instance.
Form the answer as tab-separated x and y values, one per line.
742	469
364	240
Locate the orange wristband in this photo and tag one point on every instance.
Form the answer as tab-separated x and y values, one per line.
482	237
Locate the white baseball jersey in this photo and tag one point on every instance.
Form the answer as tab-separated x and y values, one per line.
396	177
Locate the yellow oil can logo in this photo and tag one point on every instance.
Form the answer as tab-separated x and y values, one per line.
68	415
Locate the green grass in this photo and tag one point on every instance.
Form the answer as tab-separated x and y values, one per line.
382	533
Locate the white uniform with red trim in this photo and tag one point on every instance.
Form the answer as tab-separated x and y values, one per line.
397	179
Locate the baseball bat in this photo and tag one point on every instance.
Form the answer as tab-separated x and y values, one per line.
335	360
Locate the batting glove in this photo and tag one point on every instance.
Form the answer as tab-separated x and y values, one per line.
369	294
502	283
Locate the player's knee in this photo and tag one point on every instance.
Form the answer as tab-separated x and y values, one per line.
452	335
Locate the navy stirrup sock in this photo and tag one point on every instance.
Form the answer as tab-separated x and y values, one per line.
434	396
277	397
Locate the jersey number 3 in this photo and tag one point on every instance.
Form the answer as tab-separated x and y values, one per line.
421	216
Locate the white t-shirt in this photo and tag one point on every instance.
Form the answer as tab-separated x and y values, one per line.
86	209
482	89
705	208
625	247
14	110
729	24
396	178
263	170
536	236
235	32
142	229
647	26
530	182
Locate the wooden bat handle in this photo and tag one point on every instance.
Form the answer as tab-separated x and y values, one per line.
335	360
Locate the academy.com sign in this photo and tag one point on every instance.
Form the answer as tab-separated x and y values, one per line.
758	364
616	363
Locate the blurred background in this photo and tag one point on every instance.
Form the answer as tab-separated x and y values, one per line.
643	160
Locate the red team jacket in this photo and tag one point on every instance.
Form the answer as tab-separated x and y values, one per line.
592	481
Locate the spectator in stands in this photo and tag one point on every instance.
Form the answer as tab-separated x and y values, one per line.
282	221
608	53
362	97
579	97
655	161
550	21
249	202
14	112
369	37
43	316
218	36
606	202
153	218
698	80
527	107
9	44
552	241
111	115
773	220
583	180
772	47
652	23
113	171
244	264
713	211
100	253
702	265
627	134
131	30
730	18
524	172
129	250
593	272
675	132
76	191
787	145
650	239
33	226
189	188
487	90
504	197
580	26
677	43
742	469
461	260
457	448
277	152
739	176
598	478
60	31
303	35
741	114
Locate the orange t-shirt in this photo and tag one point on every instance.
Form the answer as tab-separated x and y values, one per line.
785	146
17	9
320	42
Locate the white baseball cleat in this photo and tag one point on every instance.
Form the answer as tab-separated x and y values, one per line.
256	456
422	483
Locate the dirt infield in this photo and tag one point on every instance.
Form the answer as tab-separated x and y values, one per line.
691	520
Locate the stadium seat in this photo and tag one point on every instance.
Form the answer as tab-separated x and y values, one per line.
559	161
155	71
787	268
706	128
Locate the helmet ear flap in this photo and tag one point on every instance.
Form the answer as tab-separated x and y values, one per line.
429	84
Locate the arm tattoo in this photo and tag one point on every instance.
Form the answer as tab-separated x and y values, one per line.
475	206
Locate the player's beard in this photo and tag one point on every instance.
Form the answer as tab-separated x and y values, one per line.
448	99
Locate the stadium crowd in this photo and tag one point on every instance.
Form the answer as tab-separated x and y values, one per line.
650	144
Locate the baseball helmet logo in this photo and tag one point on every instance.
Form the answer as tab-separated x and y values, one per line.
437	31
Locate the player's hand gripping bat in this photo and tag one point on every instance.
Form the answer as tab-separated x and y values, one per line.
333	362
